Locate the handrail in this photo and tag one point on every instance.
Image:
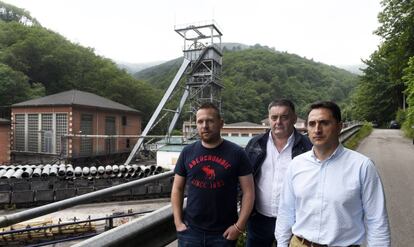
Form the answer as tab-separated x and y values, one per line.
7	220
138	233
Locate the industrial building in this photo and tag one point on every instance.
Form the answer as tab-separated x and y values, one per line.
72	124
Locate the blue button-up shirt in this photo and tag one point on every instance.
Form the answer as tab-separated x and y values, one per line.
337	202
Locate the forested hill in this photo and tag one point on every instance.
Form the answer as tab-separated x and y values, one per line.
253	77
36	62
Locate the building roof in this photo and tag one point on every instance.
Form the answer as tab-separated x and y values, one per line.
239	140
243	124
76	97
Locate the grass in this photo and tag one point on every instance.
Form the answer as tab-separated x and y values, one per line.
353	142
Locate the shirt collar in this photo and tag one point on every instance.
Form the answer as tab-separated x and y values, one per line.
290	140
335	154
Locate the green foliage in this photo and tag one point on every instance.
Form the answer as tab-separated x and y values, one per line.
408	78
380	92
253	77
36	62
353	142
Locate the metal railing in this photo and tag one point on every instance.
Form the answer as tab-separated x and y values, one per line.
7	220
155	229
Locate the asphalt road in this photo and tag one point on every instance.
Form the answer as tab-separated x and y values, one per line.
393	155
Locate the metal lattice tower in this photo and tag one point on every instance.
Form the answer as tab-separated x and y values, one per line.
202	67
202	46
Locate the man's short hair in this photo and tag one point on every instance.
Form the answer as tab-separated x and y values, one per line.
334	108
282	102
209	105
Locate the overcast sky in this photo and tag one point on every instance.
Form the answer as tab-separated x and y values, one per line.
336	32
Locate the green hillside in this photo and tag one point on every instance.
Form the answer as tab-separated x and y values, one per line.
35	61
253	77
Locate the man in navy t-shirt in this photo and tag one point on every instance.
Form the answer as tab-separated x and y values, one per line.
211	168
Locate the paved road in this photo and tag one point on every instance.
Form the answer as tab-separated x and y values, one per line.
393	155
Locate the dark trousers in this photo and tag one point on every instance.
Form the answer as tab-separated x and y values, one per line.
196	238
260	231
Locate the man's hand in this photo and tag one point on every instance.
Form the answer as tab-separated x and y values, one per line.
181	227
231	233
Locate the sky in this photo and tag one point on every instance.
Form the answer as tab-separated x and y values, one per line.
335	32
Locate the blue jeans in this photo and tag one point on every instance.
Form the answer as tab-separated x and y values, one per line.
260	230
196	238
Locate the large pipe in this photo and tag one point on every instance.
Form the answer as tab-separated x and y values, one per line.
85	171
8	174
78	171
93	171
37	172
28	172
129	169
101	170
17	174
53	170
62	170
2	172
115	168
46	171
108	169
69	171
122	168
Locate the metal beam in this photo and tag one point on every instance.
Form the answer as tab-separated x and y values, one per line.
161	105
7	220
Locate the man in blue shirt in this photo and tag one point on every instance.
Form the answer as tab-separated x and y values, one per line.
332	196
211	168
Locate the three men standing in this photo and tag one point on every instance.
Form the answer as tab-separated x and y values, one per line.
270	154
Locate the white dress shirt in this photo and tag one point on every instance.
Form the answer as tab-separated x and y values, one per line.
337	202
272	173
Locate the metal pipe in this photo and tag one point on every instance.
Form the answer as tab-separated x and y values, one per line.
101	170
154	229
108	169
93	171
2	172
78	171
28	172
85	171
7	220
8	174
62	170
37	172
69	171
17	174
53	170
115	168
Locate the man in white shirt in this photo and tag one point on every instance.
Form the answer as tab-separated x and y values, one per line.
270	154
332	196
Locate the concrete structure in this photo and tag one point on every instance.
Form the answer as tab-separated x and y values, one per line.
4	141
52	126
243	129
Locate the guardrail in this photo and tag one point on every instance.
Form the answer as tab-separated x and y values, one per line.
7	220
155	229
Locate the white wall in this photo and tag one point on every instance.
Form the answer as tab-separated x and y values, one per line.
167	160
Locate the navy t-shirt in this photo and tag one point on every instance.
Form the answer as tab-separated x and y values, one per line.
211	180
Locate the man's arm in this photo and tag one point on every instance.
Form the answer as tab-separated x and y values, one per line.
247	187
375	211
286	213
177	198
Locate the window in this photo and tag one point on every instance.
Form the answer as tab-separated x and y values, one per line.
47	133
33	133
86	147
61	130
19	126
124	120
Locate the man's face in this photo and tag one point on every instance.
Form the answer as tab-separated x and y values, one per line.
281	120
323	129
208	125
